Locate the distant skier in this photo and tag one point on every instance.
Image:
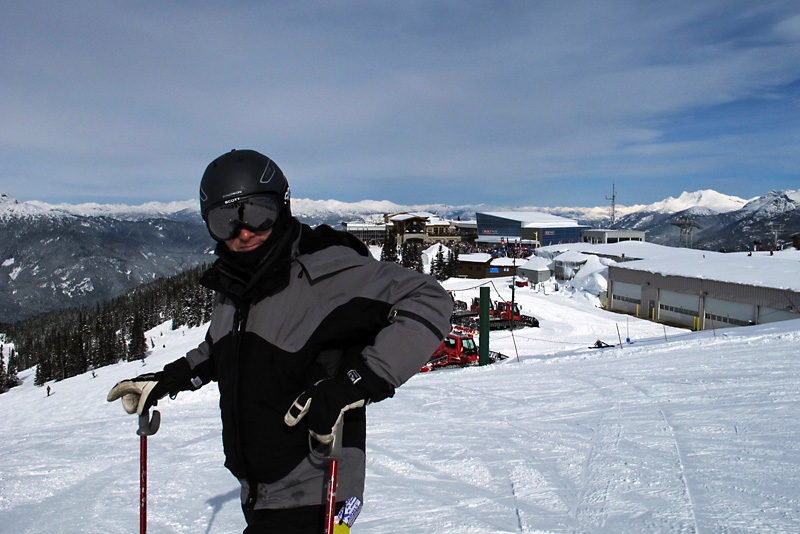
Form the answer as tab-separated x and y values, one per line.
48	391
307	329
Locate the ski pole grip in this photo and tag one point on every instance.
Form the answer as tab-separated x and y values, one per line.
148	426
333	450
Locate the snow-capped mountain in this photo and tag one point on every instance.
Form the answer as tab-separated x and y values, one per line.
60	255
57	258
718	227
707	198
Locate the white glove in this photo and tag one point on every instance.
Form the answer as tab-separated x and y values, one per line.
138	394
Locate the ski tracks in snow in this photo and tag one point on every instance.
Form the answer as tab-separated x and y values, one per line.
605	458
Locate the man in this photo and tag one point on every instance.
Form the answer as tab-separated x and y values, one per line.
307	329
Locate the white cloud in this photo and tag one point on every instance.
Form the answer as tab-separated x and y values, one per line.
144	97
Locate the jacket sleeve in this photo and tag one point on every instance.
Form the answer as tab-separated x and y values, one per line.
199	360
189	372
418	321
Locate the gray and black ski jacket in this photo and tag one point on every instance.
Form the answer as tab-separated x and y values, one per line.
337	300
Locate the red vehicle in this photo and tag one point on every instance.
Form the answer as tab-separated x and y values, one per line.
476	306
502	316
457	350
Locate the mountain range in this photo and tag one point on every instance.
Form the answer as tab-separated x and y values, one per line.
54	256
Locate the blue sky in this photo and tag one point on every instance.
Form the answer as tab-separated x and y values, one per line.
537	103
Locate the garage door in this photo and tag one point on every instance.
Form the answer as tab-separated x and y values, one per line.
678	308
770	315
626	297
720	313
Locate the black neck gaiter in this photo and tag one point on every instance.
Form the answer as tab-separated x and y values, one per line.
250	276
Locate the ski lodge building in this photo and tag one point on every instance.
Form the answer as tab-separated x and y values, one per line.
527	228
419	227
483	265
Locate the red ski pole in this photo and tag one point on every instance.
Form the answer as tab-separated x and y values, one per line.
330	509
147	427
333	473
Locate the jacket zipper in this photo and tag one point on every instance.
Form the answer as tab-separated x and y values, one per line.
239	325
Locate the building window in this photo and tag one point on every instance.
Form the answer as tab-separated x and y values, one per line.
729	320
623	298
682	311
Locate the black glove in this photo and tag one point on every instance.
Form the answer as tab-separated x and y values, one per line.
141	393
326	401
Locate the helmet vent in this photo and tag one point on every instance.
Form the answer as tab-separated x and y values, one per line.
268	169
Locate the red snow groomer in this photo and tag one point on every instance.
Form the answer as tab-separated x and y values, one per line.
457	350
502	315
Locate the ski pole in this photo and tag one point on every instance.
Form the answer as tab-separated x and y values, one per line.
147	427
333	473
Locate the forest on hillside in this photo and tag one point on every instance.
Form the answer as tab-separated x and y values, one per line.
73	341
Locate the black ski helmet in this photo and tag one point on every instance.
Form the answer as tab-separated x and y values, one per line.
239	174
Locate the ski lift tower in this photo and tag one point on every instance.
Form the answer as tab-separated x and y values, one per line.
687	225
775	230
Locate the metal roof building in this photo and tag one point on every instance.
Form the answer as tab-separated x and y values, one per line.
527	227
704	290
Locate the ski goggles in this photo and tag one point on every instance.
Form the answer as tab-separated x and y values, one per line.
256	214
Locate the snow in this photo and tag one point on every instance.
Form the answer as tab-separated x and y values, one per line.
429	256
773	203
592	277
628	249
15	272
758	270
675	432
779	270
535	263
35	208
476	257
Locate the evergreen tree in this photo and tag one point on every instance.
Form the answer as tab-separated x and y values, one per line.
44	367
137	346
451	267
408	255
2	371
12	380
412	256
438	267
389	250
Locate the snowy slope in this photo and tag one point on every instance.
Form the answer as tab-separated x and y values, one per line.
676	432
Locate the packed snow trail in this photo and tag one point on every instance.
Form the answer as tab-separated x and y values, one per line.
645	440
695	433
